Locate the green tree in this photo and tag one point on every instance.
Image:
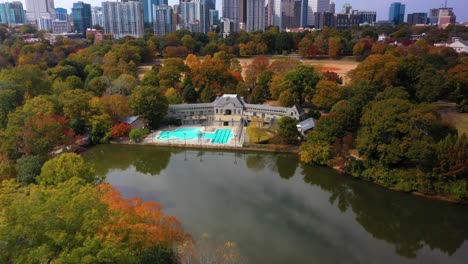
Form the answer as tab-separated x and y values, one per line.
64	167
30	80
148	102
138	134
327	94
302	82
287	132
316	150
124	84
286	99
28	168
7	104
100	129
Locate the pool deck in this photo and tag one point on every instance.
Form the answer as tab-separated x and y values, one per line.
235	141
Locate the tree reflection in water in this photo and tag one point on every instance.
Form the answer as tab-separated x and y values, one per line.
403	220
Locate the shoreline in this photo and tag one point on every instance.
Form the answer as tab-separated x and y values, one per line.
290	150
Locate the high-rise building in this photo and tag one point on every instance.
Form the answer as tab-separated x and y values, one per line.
162	23
214	17
81	15
40	9
314	6
243	11
397	13
96	16
287	14
12	13
277	14
446	17
123	19
324	19
149	10
255	15
304	5
433	16
61	14
347	9
332	8
176	17
366	17
231	10
417	19
195	15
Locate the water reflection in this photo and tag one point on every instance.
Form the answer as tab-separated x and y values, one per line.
407	222
261	200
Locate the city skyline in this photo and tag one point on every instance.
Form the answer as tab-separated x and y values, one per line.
381	7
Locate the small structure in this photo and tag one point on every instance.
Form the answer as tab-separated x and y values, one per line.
306	125
459	45
135	121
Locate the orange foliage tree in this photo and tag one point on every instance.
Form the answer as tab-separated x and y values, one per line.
142	225
121	130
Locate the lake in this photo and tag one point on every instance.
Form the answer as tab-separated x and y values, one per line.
278	210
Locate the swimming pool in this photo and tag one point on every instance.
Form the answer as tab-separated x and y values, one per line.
220	136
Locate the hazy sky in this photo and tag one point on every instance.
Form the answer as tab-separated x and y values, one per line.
381	6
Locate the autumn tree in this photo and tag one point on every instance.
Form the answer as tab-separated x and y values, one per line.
76	107
334	47
116	106
287	131
173	97
149	103
327	94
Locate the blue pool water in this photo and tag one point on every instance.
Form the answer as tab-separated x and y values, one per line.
220	136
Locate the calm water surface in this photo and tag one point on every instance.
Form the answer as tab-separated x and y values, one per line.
280	211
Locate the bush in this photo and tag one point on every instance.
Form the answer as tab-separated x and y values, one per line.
137	134
121	130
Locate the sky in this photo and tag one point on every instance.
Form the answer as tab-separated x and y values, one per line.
381	6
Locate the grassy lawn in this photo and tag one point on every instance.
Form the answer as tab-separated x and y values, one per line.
258	134
449	114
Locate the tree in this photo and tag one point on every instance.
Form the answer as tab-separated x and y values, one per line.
64	167
317	150
173	97
7	104
190	95
124	84
286	99
334	47
116	106
328	94
120	130
302	82
170	74
288	133
76	107
98	86
378	69
149	103
100	129
30	80
44	132
138	134
150	79
27	168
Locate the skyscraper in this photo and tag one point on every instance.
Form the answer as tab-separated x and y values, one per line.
123	18
96	16
255	15
314	6
81	14
12	13
417	18
231	10
304	4
148	9
446	17
287	14
61	14
162	23
37	11
332	8
397	13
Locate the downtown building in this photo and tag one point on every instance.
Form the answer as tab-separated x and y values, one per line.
12	13
195	15
417	19
148	10
82	19
396	13
255	15
97	17
40	13
315	6
232	11
123	19
162	24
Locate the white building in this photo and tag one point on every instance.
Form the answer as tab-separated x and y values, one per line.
60	27
123	19
162	23
96	16
229	110
40	13
457	44
255	15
